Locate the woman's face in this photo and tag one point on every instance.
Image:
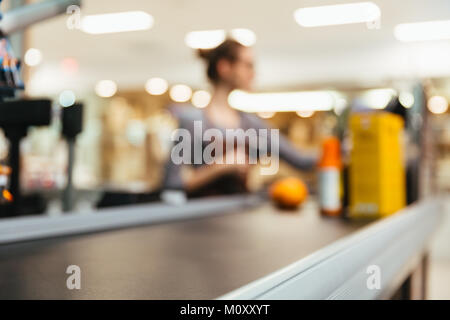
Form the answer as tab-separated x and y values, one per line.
239	74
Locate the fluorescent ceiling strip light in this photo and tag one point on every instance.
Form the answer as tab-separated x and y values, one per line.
423	31
283	101
117	22
378	98
245	37
205	39
337	14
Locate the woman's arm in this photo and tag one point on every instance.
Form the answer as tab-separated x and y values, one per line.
287	150
175	179
206	174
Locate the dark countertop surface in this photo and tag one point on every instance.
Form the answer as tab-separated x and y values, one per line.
194	259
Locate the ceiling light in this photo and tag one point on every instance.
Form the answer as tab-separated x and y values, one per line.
205	39
180	93
423	31
33	57
337	14
201	99
245	37
438	104
378	98
282	101
340	105
67	98
406	99
117	22
305	114
106	88
156	86
266	115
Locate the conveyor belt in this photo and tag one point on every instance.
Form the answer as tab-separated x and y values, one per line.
195	259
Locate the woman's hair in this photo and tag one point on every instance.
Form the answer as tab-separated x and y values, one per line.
227	50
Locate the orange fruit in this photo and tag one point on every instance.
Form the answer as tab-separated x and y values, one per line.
288	192
7	195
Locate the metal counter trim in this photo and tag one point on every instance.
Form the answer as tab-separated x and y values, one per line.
32	228
339	271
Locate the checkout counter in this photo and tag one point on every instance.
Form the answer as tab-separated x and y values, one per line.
237	247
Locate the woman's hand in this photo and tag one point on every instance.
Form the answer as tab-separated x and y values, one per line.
208	173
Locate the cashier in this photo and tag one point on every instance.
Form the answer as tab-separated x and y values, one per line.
230	66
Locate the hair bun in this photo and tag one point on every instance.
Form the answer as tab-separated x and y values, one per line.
205	53
227	50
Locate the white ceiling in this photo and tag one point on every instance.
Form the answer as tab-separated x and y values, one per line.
287	55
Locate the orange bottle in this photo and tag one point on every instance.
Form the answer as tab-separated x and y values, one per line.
330	166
